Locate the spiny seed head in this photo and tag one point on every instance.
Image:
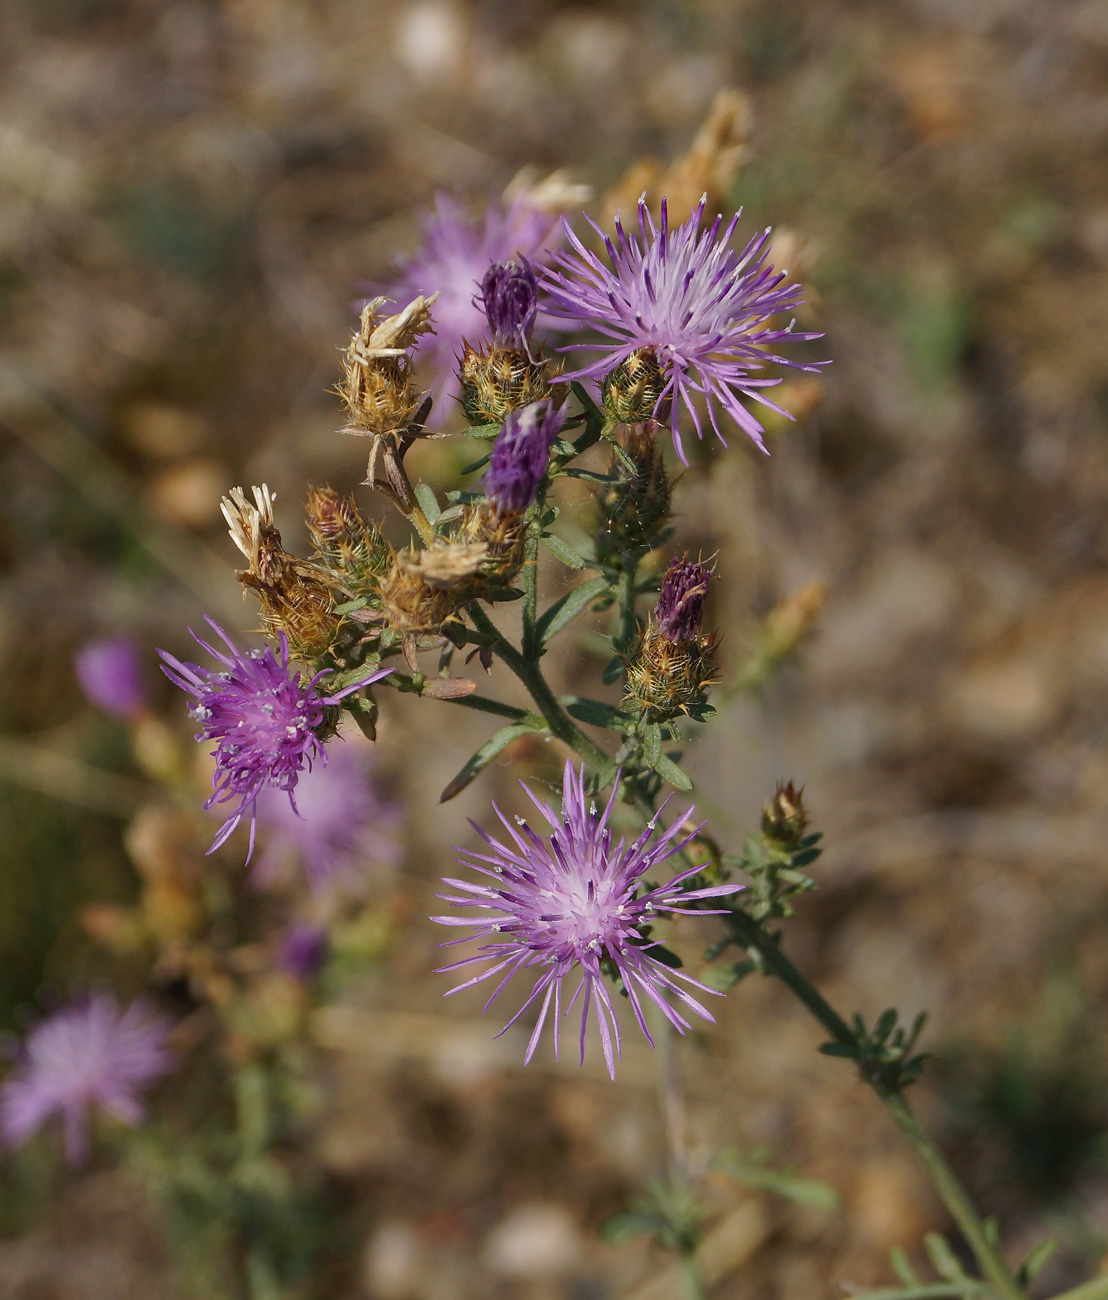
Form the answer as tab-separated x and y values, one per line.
379	391
292	599
666	678
633	389
784	818
411	605
498	381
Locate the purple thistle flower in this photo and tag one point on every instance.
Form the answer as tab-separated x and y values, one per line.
510	297
521	454
687	294
302	950
109	672
84	1055
264	719
571	901
339	827
452	260
680	608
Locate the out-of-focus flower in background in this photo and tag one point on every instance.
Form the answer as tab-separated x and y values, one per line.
453	259
688	298
85	1055
110	673
342	826
570	901
302	950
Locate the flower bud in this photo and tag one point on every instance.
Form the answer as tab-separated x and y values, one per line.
634	507
498	381
633	389
784	818
680	609
347	546
521	455
510	297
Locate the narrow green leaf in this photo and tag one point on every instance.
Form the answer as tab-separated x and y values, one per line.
886	1023
595	712
943	1259
564	552
349	606
652	744
613	671
668	770
805	857
839	1049
483	757
565	610
483	430
1037	1260
902	1266
428	502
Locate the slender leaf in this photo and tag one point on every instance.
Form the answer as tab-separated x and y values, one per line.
668	770
652	744
483	757
943	1259
902	1266
563	551
483	430
1036	1261
428	502
595	712
565	610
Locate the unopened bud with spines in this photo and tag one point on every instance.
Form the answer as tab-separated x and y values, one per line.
673	663
504	375
348	547
784	818
634	507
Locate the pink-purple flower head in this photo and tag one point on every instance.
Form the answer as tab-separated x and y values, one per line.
510	299
705	310
110	674
265	719
89	1054
680	608
573	903
452	260
340	828
521	455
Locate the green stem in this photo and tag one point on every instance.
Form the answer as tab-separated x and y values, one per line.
627	625
530	642
690	1277
1095	1289
530	674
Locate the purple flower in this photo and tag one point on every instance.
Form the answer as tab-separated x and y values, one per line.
520	456
339	827
688	295
87	1054
265	720
572	901
510	297
110	674
452	260
680	608
302	950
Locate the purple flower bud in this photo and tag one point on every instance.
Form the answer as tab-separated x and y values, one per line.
85	1055
680	608
110	674
510	296
520	456
303	948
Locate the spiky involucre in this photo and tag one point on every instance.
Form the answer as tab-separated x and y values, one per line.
703	307
571	901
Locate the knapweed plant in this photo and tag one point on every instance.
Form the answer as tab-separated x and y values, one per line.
584	355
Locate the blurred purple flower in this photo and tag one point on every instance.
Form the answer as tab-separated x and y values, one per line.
510	297
265	720
452	260
571	901
340	826
687	294
680	609
87	1054
521	454
302	950
110	674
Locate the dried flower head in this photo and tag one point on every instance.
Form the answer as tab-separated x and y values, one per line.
341	828
510	297
292	598
574	902
110	674
380	394
705	310
89	1054
520	456
453	258
680	608
268	723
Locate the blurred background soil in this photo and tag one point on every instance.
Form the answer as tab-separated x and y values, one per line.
190	194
